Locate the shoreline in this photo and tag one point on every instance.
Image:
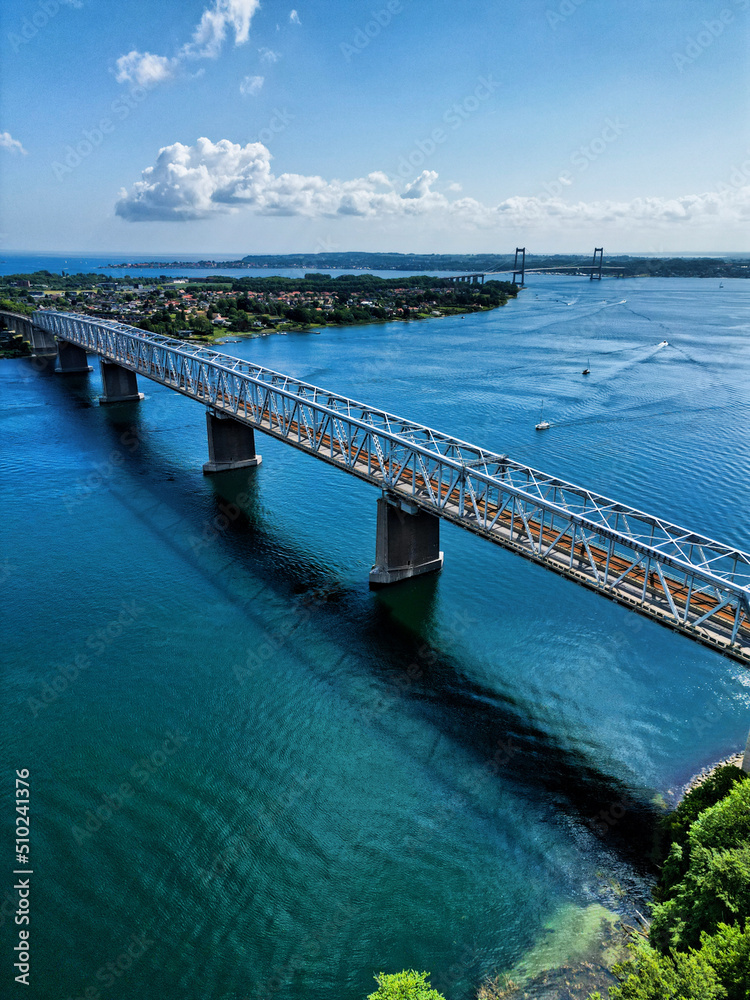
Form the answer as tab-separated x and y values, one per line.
673	796
618	265
318	328
236	336
579	973
705	773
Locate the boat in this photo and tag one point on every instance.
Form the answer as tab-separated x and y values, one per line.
586	370
543	424
664	343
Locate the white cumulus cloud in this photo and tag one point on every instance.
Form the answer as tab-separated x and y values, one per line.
294	17
147	70
252	85
210	178
144	69
420	187
194	182
12	145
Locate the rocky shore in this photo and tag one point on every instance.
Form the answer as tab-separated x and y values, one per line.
703	775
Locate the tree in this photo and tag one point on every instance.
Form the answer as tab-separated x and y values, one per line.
675	825
715	890
201	325
300	315
405	986
728	953
651	976
699	939
706	879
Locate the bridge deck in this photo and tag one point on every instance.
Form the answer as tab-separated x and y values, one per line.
675	576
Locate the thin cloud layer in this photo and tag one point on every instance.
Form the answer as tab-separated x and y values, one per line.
252	85
208	179
12	145
145	69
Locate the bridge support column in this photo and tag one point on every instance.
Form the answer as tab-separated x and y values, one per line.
231	444
120	384
42	342
407	544
72	359
746	758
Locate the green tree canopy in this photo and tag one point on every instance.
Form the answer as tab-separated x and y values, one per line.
404	986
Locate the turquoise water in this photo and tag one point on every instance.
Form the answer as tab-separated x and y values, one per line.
299	782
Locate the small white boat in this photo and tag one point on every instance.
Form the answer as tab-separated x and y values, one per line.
543	424
664	343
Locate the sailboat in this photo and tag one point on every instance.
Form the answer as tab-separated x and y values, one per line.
543	424
587	369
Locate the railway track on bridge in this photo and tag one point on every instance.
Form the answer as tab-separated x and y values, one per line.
675	576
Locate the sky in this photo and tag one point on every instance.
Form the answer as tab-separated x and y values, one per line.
230	127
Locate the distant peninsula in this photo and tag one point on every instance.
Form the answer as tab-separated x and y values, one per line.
730	266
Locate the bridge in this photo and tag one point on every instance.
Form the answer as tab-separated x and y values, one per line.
673	575
471	279
520	270
40	340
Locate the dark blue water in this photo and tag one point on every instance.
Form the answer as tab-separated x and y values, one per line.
73	263
298	782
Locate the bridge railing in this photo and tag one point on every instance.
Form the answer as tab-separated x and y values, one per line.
665	570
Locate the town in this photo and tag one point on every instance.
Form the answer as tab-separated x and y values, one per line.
210	308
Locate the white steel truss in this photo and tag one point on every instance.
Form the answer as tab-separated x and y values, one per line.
676	576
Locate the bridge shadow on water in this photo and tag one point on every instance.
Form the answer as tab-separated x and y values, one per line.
225	537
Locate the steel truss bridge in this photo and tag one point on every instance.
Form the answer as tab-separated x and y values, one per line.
675	576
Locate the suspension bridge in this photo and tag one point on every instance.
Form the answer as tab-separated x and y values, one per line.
519	270
678	577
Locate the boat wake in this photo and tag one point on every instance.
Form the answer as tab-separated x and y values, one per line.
641	411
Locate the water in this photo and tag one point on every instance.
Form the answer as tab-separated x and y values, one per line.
300	783
12	262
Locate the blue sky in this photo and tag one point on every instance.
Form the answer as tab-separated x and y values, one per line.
233	126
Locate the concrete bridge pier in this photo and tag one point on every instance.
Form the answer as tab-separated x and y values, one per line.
42	342
231	444
407	543
120	384
72	359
